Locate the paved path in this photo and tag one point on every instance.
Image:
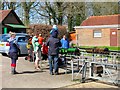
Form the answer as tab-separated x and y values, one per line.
29	78
91	85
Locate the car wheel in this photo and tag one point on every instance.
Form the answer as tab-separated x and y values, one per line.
4	54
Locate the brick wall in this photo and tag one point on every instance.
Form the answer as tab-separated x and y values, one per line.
85	37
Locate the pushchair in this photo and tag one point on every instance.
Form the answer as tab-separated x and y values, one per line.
30	56
30	50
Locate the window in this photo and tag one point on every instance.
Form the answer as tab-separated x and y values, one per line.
21	39
97	33
5	39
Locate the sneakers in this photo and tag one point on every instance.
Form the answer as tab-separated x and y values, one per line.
38	68
56	73
14	72
51	73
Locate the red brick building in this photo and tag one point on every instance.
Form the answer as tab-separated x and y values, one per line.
99	31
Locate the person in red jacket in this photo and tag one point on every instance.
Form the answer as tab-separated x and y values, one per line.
40	39
44	51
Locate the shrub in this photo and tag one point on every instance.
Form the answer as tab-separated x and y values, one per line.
45	30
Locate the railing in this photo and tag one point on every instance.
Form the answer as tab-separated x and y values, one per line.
86	61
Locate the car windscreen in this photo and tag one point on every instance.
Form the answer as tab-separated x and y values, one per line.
22	39
2	37
5	39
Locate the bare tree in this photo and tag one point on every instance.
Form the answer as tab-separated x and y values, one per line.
75	13
53	11
27	6
105	8
8	4
2	5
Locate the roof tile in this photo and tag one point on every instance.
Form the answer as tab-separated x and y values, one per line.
102	20
3	14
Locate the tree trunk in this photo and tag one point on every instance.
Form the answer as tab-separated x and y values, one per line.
27	22
70	20
60	18
77	21
60	13
27	6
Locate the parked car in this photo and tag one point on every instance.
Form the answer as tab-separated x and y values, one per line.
21	40
17	34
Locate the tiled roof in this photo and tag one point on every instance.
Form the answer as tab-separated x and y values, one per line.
102	20
3	14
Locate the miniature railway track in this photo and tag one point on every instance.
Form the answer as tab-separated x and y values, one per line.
86	60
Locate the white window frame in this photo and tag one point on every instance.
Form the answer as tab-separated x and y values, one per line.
97	33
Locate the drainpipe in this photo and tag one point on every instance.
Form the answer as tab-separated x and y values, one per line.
77	38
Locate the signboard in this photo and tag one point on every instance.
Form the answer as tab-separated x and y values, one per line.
113	33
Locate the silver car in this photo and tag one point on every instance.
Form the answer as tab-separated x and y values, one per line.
21	40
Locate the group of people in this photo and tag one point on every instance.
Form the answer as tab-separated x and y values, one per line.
50	48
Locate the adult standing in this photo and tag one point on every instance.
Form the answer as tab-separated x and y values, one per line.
65	43
53	51
37	50
13	52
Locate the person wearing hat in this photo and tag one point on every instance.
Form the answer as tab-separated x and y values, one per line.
13	52
53	52
54	28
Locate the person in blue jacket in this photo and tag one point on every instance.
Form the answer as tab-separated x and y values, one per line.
53	51
65	42
13	52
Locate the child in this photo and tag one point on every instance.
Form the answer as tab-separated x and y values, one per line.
44	51
30	50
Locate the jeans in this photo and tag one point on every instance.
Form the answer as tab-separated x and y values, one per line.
53	62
